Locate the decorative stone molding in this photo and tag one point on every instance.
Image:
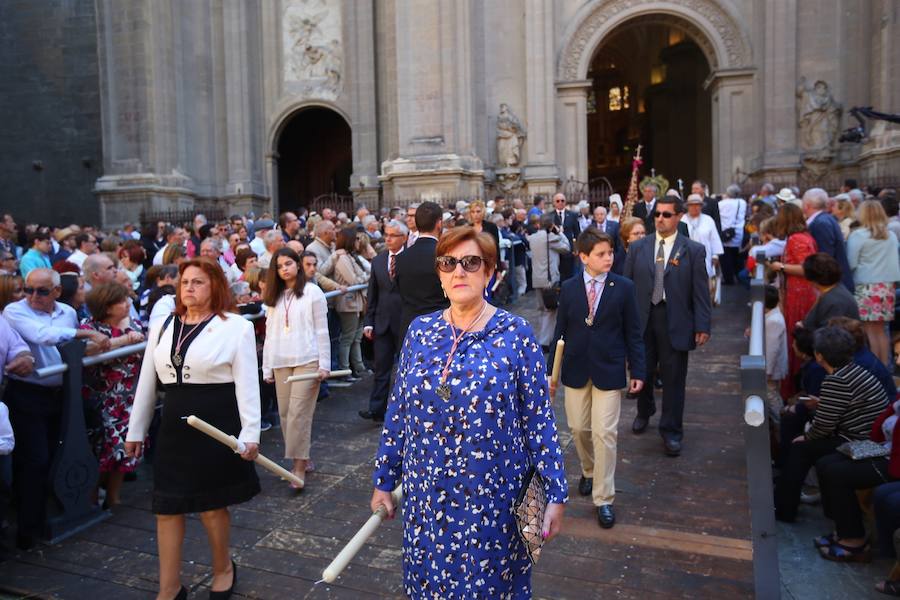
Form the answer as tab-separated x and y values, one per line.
716	31
312	48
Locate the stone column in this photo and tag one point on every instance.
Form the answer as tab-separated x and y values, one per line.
435	103
360	61
732	125
571	129
136	46
541	173
245	189
778	94
880	156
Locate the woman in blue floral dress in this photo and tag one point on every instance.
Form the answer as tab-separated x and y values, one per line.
108	388
470	412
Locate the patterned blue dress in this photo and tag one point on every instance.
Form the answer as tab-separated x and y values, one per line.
462	460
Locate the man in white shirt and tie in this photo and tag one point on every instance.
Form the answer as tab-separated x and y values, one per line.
383	320
411	225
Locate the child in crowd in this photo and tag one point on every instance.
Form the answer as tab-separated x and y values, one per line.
776	352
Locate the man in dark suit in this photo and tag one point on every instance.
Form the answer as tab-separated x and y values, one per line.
598	319
384	313
710	206
644	208
567	221
417	280
610	228
826	231
672	286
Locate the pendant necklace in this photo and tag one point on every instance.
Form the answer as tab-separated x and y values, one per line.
443	388
287	308
177	358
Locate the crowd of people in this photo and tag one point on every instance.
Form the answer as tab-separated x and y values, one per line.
417	292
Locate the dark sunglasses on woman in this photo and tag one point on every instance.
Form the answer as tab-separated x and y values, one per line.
447	264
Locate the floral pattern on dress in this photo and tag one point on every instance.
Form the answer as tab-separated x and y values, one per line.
462	460
875	301
109	389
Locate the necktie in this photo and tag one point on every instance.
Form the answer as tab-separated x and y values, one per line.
392	269
658	275
592	298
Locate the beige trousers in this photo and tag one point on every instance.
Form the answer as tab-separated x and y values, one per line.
593	417
296	406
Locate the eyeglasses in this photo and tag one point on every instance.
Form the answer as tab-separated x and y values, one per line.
40	291
447	264
664	214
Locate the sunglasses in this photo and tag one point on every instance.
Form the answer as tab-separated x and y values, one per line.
40	291
447	264
664	214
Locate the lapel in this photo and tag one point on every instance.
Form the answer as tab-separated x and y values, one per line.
677	250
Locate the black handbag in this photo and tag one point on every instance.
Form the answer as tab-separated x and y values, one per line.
550	295
728	234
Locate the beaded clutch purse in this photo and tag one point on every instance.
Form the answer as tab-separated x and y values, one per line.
529	512
862	449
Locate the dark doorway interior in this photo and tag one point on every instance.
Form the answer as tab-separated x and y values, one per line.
648	89
315	157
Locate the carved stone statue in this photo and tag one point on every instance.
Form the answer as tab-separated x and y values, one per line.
510	137
818	120
313	56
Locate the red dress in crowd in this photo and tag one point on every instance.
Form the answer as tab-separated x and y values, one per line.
799	296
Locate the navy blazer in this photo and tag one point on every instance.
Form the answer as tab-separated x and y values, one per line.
569	225
384	312
418	282
688	307
599	352
612	230
830	240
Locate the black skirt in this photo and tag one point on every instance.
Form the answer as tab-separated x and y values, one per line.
192	472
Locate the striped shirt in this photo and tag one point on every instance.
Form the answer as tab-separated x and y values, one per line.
849	402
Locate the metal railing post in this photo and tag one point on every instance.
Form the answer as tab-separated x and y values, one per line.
74	471
766	574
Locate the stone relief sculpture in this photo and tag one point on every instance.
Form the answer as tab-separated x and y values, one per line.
510	137
311	43
818	122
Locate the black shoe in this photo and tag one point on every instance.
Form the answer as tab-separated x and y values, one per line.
640	424
672	447
225	595
25	542
606	516
182	594
365	414
585	485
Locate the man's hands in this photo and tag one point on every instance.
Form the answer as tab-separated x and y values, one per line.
369	332
635	386
701	338
22	365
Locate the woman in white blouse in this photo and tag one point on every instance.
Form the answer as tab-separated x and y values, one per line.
205	357
733	214
297	343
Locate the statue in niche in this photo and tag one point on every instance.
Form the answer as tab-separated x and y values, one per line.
818	119
313	56
510	137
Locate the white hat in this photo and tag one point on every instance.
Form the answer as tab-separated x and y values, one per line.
615	199
786	195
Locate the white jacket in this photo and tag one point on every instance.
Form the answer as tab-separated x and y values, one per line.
224	351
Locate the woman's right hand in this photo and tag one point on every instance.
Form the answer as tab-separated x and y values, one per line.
381	498
134	449
269	379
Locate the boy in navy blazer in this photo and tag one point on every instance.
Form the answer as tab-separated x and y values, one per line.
598	319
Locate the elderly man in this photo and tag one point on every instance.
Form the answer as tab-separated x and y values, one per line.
35	404
411	225
702	229
382	323
273	241
826	231
259	230
38	255
567	222
209	248
644	208
323	246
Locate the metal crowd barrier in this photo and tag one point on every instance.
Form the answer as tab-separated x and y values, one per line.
74	471
766	574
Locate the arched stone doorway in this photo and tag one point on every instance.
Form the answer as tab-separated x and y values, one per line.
314	156
707	26
647	88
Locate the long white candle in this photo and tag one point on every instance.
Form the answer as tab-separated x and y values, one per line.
557	361
238	446
308	376
356	543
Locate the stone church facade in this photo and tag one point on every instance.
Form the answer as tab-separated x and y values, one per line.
457	98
